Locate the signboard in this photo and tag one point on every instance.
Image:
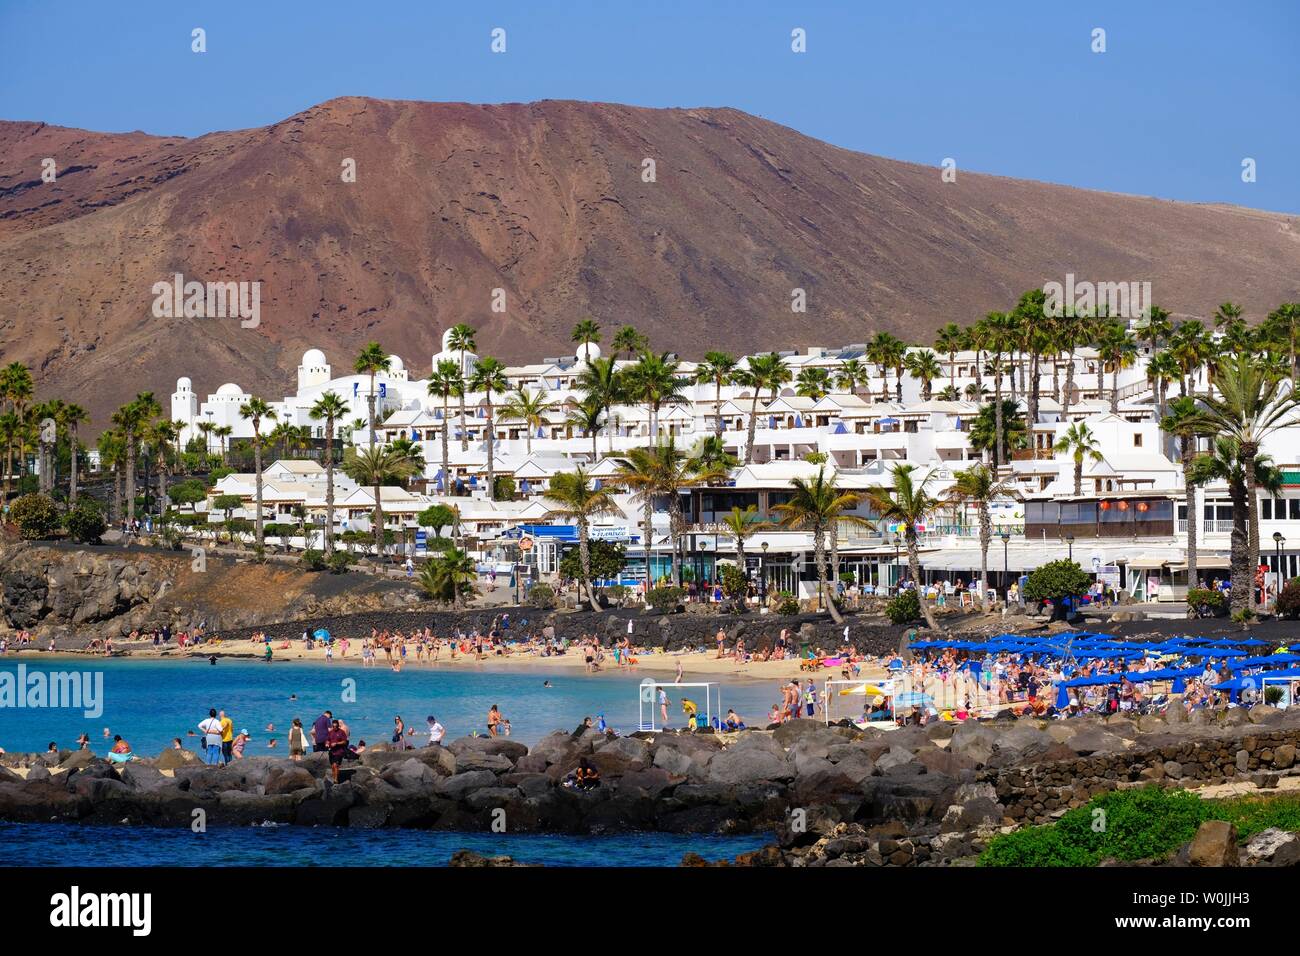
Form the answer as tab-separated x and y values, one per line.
609	534
1109	575
525	544
421	541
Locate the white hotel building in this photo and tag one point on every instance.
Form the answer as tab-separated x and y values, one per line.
1129	524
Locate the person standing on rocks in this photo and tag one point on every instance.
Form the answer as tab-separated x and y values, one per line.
211	730
436	731
320	731
336	742
297	740
663	708
227	738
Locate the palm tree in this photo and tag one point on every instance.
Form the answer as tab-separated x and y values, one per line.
74	415
161	439
639	474
630	342
1161	369
449	576
573	497
767	371
1249	403
461	340
11	427
586	416
257	411
1080	443
412	450
1224	463
923	365
444	382
490	376
223	432
1184	422
133	419
16	388
530	408
717	370
851	374
710	454
741	524
600	382
112	453
1117	350
979	486
332	408
948	393
585	333
376	466
1283	327
817	505
813	383
951	339
371	361
1190	347
653	382
906	502
282	434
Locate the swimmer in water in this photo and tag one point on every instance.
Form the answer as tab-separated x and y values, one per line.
212	659
546	683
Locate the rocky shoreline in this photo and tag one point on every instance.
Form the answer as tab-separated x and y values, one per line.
838	796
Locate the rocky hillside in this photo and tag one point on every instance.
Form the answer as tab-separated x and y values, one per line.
548	202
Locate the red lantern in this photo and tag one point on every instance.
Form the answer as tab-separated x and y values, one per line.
1123	506
1143	506
1105	506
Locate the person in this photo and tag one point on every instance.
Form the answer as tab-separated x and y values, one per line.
336	742
663	707
121	752
493	720
297	740
810	696
237	745
586	777
227	737
211	730
733	721
436	730
320	731
399	728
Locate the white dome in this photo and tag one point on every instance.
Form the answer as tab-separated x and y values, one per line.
588	352
313	358
230	389
395	364
446	340
183	383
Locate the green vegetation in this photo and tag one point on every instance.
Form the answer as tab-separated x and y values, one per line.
36	515
665	598
1054	581
1140	824
86	522
905	608
1288	602
607	560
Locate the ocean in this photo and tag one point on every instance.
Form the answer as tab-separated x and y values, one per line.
150	702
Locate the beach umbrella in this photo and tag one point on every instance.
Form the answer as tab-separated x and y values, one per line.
869	690
913	698
321	634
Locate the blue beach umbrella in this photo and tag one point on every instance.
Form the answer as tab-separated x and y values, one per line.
321	634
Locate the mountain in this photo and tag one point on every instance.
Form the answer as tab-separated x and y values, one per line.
548	202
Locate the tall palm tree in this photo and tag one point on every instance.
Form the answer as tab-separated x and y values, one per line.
462	341
978	486
951	339
133	420
224	432
1249	403
1117	351
654	382
587	416
1161	369
112	454
75	416
444	382
1223	462
767	371
923	365
256	411
1079	443
530	408
710	454
907	502
1283	327
17	389
740	525
332	409
629	342
817	505
377	466
490	376
1184	422
371	361
602	383
852	374
585	333
1190	347
11	427
716	370
161	439
573	497
638	472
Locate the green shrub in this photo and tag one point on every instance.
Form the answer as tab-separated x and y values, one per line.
339	562
1210	597
1035	847
665	598
541	595
787	604
734	583
904	608
1272	694
86	522
313	560
1056	580
36	515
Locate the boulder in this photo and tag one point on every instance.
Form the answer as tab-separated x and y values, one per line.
496	746
462	783
171	759
288	779
410	775
896	757
748	765
140	777
471	759
1283	756
1273	847
1215	844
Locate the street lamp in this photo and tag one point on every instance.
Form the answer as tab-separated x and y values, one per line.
1069	539
1278	541
1006	568
762	574
898	564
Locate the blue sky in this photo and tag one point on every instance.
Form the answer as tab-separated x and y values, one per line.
1184	92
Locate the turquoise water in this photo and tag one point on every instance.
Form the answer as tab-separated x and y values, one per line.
149	702
49	844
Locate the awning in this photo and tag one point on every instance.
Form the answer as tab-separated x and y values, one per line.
1206	562
1147	562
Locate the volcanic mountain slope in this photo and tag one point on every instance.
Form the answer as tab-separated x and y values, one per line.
548	202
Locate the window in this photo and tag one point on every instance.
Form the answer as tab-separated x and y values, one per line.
1295	509
1266	509
1137	439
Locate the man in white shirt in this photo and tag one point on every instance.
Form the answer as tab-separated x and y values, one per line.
436	731
211	730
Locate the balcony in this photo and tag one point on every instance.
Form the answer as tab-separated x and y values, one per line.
1208	526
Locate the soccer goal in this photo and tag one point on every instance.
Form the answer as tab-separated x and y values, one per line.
679	700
